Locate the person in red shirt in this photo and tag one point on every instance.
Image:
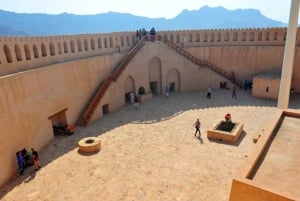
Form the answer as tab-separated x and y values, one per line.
70	129
36	159
227	117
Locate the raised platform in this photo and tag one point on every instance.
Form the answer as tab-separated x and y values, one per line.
272	171
226	131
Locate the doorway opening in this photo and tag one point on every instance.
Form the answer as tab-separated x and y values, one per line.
172	87
153	88
59	122
105	109
127	97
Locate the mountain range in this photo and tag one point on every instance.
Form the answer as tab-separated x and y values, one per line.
20	24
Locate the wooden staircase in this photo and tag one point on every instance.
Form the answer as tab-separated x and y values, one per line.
202	63
87	112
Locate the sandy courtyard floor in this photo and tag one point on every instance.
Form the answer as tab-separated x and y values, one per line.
149	154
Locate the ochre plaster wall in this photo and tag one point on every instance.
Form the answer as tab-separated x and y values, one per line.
266	87
29	98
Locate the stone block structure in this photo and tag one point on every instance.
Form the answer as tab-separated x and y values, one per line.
48	81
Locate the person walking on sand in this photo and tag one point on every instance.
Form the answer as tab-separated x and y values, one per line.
208	95
36	159
197	127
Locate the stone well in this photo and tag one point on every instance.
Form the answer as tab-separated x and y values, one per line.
226	131
89	145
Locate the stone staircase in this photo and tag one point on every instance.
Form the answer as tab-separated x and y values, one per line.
203	63
98	94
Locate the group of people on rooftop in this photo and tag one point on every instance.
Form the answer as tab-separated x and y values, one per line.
139	34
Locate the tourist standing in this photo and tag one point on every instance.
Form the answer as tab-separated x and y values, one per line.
36	159
137	35
167	91
20	160
131	98
234	92
197	127
208	95
136	102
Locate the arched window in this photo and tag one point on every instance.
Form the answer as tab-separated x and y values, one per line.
244	36
7	54
205	37
190	38
35	51
226	36
18	53
111	42
44	50
122	41
127	40
92	44
219	37
267	36
59	48
212	37
251	36
275	36
235	36
52	49
79	45
177	38
65	47
86	45
197	37
72	46
99	43
259	37
27	52
105	42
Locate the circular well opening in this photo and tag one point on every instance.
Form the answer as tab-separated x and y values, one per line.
89	141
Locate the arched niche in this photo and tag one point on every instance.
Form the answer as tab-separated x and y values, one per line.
155	75
129	87
7	54
173	80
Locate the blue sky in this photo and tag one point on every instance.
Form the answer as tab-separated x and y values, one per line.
275	9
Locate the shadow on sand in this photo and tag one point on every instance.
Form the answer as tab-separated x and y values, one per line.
156	110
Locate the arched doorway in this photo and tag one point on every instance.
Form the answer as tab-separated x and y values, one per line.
129	88
155	76
173	80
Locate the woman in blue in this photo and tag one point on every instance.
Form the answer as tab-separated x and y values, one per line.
20	160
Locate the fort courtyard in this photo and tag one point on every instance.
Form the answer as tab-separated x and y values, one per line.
150	153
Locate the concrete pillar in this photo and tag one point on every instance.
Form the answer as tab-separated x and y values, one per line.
288	59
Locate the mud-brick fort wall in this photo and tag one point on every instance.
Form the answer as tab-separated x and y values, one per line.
48	80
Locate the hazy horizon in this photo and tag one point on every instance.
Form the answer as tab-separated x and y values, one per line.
277	10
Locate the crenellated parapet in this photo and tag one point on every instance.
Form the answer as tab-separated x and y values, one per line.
227	37
23	53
